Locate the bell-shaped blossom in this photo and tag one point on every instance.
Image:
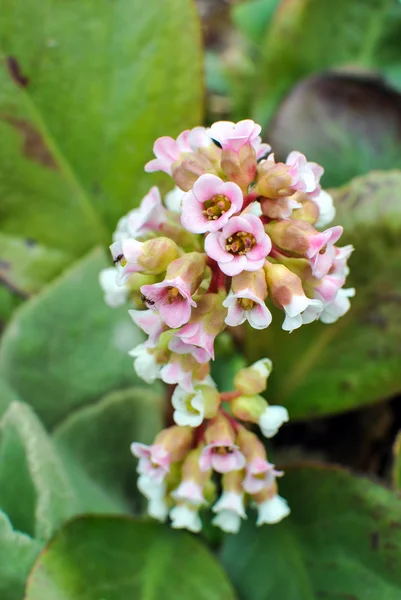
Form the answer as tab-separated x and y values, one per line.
145	363
296	308
147	218
245	302
172	298
321	262
154	460
125	257
338	307
230	511
221	456
233	136
272	419
302	172
168	150
155	493
185	517
190	492
178	345
260	474
189	407
272	510
242	245
150	322
183	370
114	295
210	204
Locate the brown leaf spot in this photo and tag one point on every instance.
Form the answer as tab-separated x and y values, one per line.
14	68
34	146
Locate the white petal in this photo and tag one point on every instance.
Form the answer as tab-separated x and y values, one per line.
231	501
272	419
228	521
184	517
272	510
173	199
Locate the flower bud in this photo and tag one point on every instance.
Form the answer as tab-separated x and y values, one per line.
253	380
283	284
307	210
248	408
279	208
298	237
190	268
273	180
240	166
189	168
157	254
176	441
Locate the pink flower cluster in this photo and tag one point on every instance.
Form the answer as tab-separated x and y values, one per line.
239	231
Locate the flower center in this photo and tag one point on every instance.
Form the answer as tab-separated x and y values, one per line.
222	450
246	303
240	243
173	295
188	405
216	206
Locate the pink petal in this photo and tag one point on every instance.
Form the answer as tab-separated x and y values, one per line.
214	249
236	314
259	316
236	266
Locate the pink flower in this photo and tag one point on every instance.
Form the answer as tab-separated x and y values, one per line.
246	306
125	257
304	174
172	298
154	460
168	150
232	136
223	456
260	474
194	335
189	491
242	245
149	216
181	347
210	204
183	370
321	262
150	322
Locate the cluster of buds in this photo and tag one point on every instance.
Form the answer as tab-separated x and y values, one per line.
238	231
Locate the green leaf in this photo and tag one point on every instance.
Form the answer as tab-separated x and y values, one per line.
37	491
18	553
252	18
94	558
342	540
396	472
350	124
324	369
308	36
99	437
65	348
85	89
7	396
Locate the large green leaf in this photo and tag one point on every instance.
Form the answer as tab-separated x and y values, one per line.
7	396
85	89
99	437
120	559
341	541
37	491
65	348
17	554
322	369
308	36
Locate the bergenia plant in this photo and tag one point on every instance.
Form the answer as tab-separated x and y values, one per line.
238	233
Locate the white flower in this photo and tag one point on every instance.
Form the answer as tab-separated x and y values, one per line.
295	309
189	407
327	212
184	517
230	509
173	199
272	510
312	312
340	305
189	491
145	363
271	420
228	521
155	492
114	295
